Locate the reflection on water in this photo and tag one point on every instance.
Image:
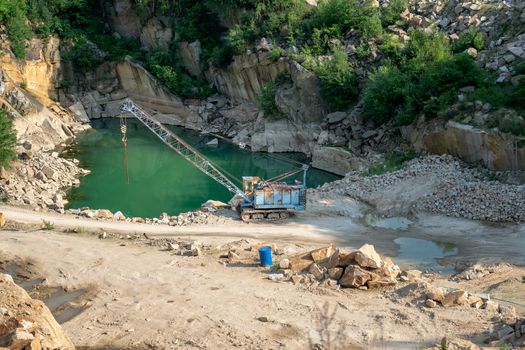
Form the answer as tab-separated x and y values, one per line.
423	254
394	223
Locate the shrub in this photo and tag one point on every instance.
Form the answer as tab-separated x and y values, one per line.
19	32
346	14
471	38
47	225
339	85
392	162
391	13
384	95
322	38
162	64
84	55
7	139
267	100
426	48
277	52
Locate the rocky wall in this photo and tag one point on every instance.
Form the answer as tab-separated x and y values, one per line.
491	148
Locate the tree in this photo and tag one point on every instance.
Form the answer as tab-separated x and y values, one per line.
7	139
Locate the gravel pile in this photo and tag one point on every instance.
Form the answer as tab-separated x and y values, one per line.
460	192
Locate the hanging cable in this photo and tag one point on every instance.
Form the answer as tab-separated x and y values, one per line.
123	130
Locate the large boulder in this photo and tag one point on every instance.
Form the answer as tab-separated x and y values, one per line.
27	323
354	276
366	256
337	160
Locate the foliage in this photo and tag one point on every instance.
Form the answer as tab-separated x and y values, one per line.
161	64
471	38
47	225
267	100
7	139
348	14
276	53
390	14
424	79
13	13
84	55
338	81
392	162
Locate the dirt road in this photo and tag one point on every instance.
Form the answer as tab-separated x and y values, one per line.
149	298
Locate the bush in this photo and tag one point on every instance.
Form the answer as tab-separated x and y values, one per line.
277	52
346	14
7	139
392	162
19	32
471	38
162	64
391	13
267	100
384	95
84	55
425	81
339	85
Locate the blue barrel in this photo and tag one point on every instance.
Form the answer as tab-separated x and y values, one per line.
265	254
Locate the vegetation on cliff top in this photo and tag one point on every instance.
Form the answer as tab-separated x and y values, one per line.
7	139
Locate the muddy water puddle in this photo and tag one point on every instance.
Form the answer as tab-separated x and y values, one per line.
64	304
398	223
424	254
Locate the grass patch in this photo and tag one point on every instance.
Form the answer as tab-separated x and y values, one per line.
47	225
392	162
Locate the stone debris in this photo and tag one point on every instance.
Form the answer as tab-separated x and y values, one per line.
454	344
41	181
459	190
27	323
368	269
508	333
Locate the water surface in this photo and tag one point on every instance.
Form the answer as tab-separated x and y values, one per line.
160	179
423	254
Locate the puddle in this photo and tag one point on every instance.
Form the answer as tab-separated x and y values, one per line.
423	254
64	305
394	223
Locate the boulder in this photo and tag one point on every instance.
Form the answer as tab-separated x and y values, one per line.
431	303
20	331
118	216
457	297
284	264
301	262
4	175
335	273
366	256
104	214
335	117
346	257
49	172
354	276
2	219
323	253
458	344
435	293
316	271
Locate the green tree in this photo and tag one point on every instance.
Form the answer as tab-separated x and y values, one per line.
7	139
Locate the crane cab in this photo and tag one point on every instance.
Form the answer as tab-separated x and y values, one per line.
271	200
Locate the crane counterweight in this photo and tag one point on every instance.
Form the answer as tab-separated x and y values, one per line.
260	199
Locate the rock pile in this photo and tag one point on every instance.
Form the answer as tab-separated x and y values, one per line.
40	180
508	334
202	216
26	323
457	190
363	268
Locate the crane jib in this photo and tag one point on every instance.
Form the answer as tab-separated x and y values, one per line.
181	147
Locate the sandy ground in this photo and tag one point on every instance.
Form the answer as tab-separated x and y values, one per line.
142	296
149	298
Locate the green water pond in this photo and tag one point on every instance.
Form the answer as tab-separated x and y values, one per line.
160	179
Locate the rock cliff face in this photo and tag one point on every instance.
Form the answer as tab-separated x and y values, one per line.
492	148
38	119
26	323
129	79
